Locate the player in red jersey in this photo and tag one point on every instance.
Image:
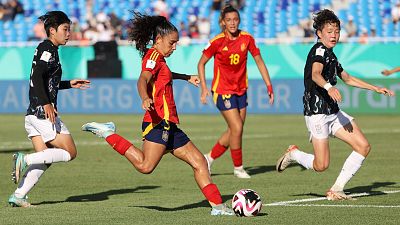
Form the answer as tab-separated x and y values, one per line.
230	83
160	131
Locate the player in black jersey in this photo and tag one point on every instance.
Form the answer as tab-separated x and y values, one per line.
322	114
50	137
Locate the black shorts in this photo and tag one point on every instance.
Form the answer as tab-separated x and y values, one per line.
165	133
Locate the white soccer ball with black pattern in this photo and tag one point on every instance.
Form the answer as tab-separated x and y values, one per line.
246	202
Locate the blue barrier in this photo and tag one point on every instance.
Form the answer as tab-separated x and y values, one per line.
120	96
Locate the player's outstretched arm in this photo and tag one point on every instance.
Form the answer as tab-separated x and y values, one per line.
193	79
389	72
355	82
80	83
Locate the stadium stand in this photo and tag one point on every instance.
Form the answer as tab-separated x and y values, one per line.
262	18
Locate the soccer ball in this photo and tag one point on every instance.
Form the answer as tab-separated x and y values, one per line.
246	202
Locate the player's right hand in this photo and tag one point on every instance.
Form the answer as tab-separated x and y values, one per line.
147	104
50	113
204	94
335	94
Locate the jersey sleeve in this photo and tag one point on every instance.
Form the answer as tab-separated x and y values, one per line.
211	48
39	69
151	62
254	50
319	55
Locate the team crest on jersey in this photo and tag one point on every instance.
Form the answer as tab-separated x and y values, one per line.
150	64
225	48
227	103
165	135
243	47
45	56
320	51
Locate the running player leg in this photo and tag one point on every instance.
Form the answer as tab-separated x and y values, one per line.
352	135
233	118
31	177
191	155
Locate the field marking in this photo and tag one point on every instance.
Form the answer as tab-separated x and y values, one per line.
293	202
339	206
98	142
6	145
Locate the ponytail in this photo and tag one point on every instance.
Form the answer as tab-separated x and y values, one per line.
146	28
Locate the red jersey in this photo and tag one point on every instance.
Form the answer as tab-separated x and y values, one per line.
230	59
159	89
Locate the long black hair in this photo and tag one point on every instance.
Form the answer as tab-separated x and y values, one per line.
323	17
53	19
146	28
224	11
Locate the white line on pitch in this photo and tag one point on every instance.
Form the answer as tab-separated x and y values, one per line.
284	203
344	206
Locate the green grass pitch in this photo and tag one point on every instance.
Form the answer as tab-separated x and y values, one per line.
101	187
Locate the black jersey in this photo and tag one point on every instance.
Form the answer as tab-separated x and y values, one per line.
316	99
45	79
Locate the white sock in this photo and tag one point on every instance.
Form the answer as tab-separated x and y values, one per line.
48	156
350	167
238	167
304	159
30	179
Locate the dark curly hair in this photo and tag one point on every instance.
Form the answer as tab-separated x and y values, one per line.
145	28
53	19
323	17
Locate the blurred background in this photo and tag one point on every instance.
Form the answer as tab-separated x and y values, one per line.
99	49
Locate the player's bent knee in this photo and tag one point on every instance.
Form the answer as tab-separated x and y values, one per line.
145	169
364	149
320	167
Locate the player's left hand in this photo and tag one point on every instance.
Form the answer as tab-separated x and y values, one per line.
195	80
80	83
385	91
386	72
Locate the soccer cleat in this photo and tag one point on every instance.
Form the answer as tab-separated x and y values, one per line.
208	162
19	166
102	130
221	210
286	159
19	202
241	173
337	195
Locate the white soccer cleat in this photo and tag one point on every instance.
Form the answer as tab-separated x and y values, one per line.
337	195
221	210
241	173
284	161
100	129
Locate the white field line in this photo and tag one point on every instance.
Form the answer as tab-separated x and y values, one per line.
5	145
341	206
293	202
98	142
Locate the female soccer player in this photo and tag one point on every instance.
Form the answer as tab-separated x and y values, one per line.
160	131
229	85
322	114
50	137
